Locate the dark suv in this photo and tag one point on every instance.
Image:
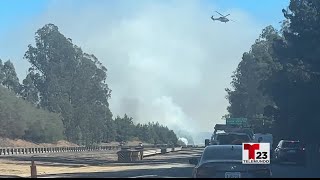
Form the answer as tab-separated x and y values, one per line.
290	151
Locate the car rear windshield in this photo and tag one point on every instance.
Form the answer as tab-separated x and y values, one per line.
291	145
222	154
230	138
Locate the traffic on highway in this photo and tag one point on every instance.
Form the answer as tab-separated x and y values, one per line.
234	151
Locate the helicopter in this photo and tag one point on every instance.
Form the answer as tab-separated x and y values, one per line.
222	18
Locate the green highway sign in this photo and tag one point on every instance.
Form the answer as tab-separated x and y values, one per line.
237	121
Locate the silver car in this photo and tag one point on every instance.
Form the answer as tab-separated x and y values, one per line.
225	161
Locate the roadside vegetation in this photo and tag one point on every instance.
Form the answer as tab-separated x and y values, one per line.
276	84
65	95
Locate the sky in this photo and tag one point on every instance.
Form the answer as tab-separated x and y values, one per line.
166	60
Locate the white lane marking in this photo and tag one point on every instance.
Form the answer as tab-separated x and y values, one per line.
144	176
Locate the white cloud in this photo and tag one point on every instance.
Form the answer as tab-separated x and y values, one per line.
167	60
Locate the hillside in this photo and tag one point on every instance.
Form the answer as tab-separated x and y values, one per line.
9	143
22	120
6	143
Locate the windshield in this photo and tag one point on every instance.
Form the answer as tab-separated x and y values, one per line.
230	138
222	154
291	145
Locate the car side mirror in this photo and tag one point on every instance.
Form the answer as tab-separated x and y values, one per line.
193	161
207	142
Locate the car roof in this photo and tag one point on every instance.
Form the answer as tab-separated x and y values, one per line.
263	134
239	133
223	147
236	133
290	140
220	132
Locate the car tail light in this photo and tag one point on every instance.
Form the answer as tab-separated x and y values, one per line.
205	172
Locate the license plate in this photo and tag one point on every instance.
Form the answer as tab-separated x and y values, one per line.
232	175
292	151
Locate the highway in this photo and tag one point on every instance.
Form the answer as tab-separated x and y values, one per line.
176	165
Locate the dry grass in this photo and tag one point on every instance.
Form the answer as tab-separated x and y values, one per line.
9	143
22	169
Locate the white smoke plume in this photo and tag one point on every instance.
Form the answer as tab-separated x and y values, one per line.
184	140
167	61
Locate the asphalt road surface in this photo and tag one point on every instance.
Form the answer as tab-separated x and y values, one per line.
176	165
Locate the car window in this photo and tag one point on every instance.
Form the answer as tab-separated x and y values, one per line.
243	137
230	138
224	139
222	154
291	145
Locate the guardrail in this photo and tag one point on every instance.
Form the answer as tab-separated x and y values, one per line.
41	150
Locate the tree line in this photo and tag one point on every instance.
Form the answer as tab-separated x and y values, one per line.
276	84
67	88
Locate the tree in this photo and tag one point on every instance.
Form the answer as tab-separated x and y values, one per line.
2	75
110	133
246	98
63	79
280	76
125	128
20	119
28	91
70	82
294	88
10	79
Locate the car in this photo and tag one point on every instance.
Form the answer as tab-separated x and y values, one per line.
225	161
290	151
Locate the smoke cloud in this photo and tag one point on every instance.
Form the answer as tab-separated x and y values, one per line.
167	61
184	140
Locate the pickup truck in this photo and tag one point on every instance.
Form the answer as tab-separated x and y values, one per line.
231	135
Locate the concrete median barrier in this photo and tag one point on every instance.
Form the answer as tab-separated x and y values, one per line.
128	155
148	153
140	149
163	150
158	151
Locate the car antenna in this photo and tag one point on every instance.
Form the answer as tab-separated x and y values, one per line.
231	147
